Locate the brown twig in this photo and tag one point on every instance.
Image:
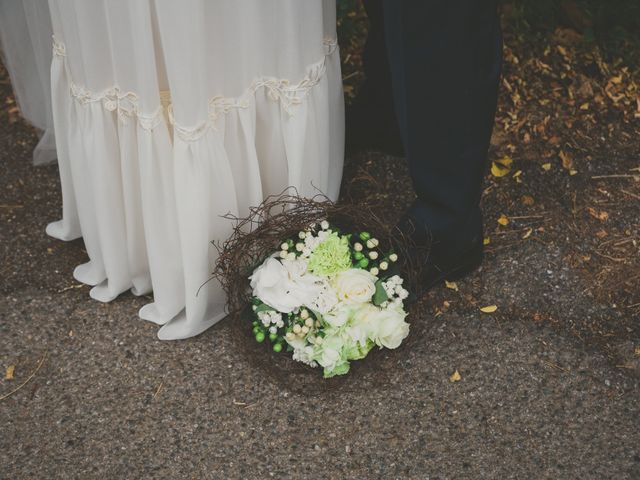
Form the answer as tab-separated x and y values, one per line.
27	380
621	175
158	389
630	194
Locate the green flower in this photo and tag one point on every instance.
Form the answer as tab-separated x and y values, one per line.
355	351
331	256
339	369
331	356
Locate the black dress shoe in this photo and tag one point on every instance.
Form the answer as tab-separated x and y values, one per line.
453	265
439	260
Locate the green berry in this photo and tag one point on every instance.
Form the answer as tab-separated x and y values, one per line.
260	337
363	263
364	236
256	329
272	337
358	255
277	347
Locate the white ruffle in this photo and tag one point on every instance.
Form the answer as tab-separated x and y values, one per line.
147	194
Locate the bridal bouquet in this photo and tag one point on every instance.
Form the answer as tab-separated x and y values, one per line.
329	297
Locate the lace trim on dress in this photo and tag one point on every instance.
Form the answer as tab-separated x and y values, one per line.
126	104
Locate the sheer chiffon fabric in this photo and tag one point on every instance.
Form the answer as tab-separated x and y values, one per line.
25	44
168	116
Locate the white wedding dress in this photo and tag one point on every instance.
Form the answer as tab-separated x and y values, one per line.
170	114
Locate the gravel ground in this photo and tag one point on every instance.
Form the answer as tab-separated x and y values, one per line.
540	395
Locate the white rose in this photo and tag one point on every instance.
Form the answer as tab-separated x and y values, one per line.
354	286
362	326
338	317
284	285
388	328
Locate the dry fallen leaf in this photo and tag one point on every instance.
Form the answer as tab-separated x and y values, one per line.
527	233
517	176
455	377
489	309
503	220
498	170
451	285
599	214
9	373
567	162
546	166
527	200
501	167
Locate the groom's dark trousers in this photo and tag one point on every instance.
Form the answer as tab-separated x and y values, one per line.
444	59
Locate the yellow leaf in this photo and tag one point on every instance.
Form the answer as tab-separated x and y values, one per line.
505	161
616	80
498	170
584	106
503	220
573	172
9	373
546	166
501	167
489	309
451	285
486	241
455	377
517	176
567	162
